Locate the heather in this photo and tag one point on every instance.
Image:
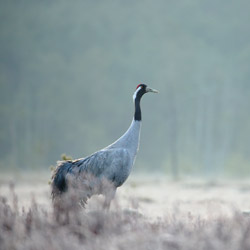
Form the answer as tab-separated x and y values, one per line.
147	214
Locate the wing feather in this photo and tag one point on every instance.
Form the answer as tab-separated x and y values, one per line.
104	162
112	164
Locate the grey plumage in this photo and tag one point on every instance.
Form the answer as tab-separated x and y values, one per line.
111	165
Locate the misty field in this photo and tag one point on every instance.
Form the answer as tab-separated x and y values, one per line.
147	213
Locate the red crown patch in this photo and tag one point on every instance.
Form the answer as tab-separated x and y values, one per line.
138	86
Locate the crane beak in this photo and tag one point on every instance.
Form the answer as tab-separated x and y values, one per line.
151	90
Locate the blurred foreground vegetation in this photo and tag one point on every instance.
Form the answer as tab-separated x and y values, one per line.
181	216
68	71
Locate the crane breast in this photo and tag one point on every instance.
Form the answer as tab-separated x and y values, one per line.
120	167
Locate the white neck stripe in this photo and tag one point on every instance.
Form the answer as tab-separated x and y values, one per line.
135	94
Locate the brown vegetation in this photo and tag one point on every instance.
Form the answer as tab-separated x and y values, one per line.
42	227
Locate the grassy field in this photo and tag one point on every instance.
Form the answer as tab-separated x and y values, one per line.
148	213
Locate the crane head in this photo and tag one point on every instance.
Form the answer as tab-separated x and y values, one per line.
142	89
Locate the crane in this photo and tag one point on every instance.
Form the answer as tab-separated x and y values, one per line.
105	170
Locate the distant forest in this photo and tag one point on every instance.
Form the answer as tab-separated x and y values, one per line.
68	70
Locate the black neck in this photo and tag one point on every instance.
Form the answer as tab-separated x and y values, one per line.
137	116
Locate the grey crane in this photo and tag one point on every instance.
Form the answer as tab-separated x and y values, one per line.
111	165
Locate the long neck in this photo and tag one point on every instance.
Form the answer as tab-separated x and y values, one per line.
137	115
130	139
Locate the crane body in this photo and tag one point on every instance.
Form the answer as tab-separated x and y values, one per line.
111	164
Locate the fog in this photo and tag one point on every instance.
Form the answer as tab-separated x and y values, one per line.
68	71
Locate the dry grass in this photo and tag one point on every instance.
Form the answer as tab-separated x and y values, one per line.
148	213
